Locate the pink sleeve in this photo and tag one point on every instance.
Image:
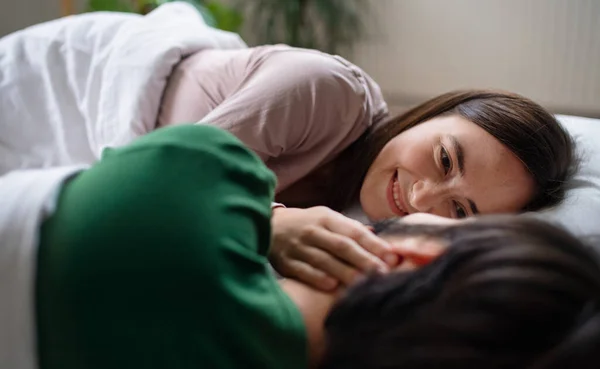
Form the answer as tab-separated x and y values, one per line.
297	109
291	102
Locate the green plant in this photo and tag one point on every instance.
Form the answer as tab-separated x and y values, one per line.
327	25
225	17
214	13
112	5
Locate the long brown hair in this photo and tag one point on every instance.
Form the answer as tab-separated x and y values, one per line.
527	129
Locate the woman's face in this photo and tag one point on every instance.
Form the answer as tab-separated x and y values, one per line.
447	166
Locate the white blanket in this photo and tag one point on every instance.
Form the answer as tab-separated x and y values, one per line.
71	87
68	89
33	196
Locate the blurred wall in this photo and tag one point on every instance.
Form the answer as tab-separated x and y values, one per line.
548	50
17	14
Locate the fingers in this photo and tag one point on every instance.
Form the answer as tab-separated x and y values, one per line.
419	250
327	263
425	218
345	249
363	236
306	273
419	245
323	248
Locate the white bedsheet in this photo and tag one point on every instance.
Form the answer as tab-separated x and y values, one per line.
33	196
68	89
71	87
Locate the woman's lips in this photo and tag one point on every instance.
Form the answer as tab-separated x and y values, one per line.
394	196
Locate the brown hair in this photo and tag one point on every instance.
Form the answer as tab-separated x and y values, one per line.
509	292
527	129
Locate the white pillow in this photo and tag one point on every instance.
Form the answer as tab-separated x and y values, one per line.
580	212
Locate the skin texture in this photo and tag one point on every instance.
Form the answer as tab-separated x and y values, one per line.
422	166
314	304
324	248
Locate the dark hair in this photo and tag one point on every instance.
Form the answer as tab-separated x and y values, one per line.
523	126
510	292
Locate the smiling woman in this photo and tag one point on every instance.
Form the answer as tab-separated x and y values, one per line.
449	167
457	155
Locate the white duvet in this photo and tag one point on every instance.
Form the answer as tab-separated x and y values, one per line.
68	89
71	87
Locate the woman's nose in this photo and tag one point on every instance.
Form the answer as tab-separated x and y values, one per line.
426	195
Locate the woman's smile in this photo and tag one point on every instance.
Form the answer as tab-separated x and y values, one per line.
394	196
446	166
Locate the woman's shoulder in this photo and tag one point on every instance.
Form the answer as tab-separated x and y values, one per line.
323	69
309	59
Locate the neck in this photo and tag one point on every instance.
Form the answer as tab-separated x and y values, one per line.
314	306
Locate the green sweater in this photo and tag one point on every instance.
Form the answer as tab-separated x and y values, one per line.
156	257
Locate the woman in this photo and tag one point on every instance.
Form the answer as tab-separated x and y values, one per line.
313	118
120	282
509	292
319	123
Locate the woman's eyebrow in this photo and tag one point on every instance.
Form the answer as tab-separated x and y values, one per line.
460	159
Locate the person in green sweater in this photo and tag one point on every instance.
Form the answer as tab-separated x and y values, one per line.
157	257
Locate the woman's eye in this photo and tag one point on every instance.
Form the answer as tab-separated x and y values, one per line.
445	159
460	211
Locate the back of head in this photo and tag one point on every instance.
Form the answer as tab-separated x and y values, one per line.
526	128
509	292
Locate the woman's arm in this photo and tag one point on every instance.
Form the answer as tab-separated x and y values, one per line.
295	108
156	257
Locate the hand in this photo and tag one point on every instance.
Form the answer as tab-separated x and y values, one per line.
430	219
418	250
323	248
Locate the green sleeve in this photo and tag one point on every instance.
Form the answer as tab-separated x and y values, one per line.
156	258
